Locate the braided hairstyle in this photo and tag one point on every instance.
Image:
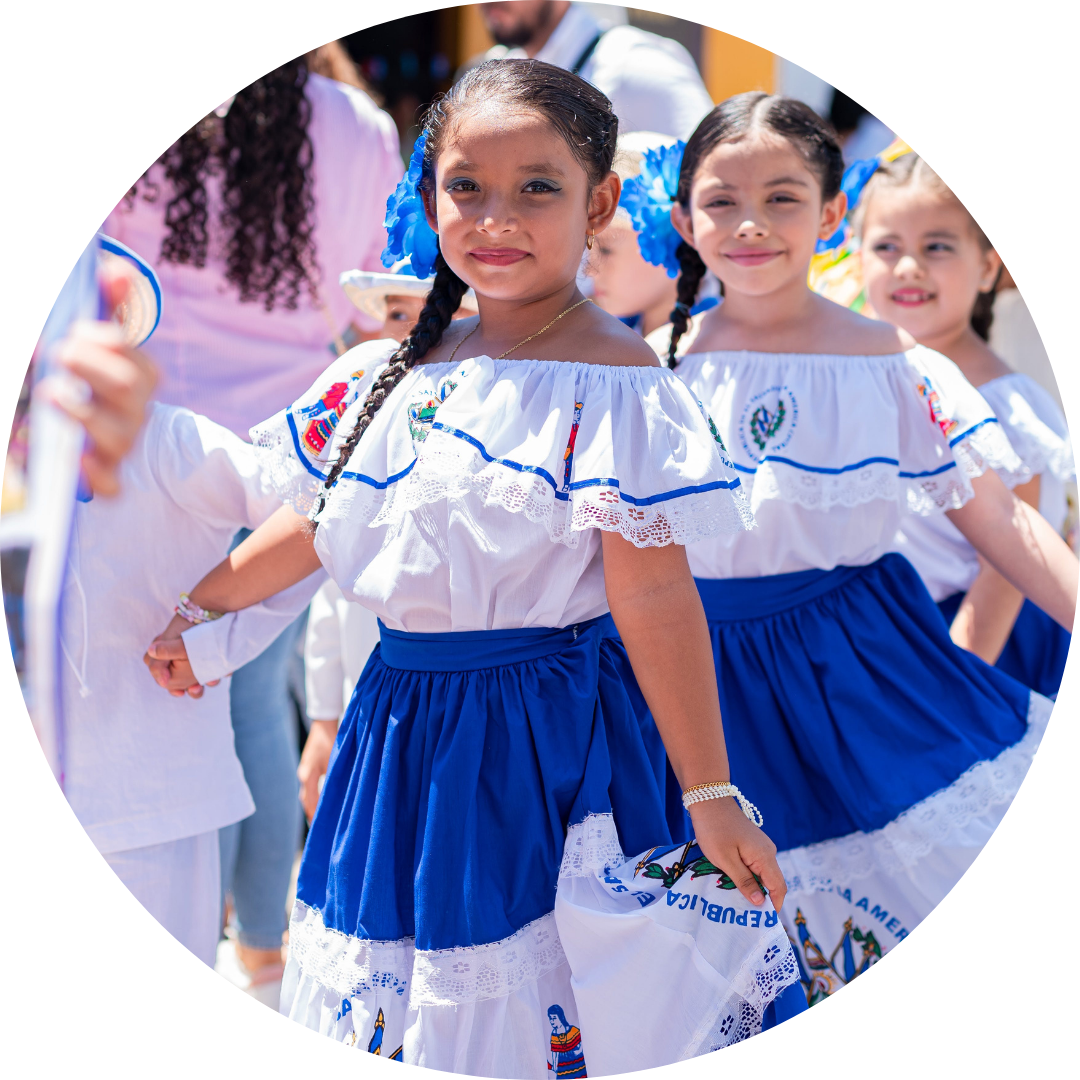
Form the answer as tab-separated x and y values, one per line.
910	169
738	116
262	151
574	108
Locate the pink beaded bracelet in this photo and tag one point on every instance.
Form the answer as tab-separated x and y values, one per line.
193	613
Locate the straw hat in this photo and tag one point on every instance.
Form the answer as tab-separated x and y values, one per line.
368	291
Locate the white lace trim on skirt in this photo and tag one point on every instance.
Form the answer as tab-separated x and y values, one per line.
938	821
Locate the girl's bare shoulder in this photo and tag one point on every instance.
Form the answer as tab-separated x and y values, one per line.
853	334
608	341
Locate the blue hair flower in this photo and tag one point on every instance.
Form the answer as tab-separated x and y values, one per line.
408	235
648	199
856	176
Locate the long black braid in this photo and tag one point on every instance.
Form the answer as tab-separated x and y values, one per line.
574	108
435	316
813	137
691	271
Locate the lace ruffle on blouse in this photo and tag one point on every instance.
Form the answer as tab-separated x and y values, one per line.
570	446
822	431
1034	425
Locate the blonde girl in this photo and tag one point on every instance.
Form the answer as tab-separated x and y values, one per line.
931	270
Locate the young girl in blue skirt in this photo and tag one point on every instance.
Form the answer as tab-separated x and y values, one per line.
931	270
490	885
881	754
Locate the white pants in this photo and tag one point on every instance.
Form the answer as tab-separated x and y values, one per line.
179	883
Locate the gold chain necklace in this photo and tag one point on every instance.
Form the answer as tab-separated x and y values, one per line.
572	307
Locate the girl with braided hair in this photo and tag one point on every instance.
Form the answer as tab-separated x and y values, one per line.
492	847
884	755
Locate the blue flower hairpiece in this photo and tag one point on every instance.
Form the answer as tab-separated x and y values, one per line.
648	199
856	177
408	235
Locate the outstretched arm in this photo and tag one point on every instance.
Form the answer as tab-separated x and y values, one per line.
277	555
988	612
1021	545
658	613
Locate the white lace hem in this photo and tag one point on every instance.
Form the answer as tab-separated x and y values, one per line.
937	821
349	966
592	847
451	467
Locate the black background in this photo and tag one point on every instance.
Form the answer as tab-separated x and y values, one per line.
95	96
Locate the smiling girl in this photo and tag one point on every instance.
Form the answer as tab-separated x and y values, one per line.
930	269
890	754
505	492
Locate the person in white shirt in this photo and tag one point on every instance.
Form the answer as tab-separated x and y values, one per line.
340	637
652	82
152	778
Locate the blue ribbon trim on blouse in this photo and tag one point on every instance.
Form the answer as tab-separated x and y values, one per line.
868	461
599	481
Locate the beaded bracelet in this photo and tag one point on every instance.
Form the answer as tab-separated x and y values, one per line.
704	792
193	613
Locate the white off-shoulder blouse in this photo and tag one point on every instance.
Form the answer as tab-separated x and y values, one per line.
475	499
834	451
1036	429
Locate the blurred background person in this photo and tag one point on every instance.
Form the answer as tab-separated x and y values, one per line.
249	219
621	281
652	81
395	298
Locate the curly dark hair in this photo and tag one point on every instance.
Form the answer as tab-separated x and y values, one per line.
262	151
579	112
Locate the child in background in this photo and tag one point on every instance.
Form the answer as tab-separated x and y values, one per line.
340	637
884	754
395	299
153	778
623	283
930	270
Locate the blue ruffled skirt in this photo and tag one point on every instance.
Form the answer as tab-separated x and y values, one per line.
880	754
1036	651
466	862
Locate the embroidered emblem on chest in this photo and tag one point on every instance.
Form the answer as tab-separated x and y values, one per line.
768	422
325	413
422	413
937	413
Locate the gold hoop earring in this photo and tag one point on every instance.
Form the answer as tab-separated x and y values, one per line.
589	240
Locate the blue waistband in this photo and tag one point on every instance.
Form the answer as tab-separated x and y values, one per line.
736	599
471	650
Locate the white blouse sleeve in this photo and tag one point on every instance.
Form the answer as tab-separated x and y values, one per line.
324	671
948	434
571	446
1035	427
296	447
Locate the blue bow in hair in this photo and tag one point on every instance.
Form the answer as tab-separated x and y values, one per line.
648	199
408	235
